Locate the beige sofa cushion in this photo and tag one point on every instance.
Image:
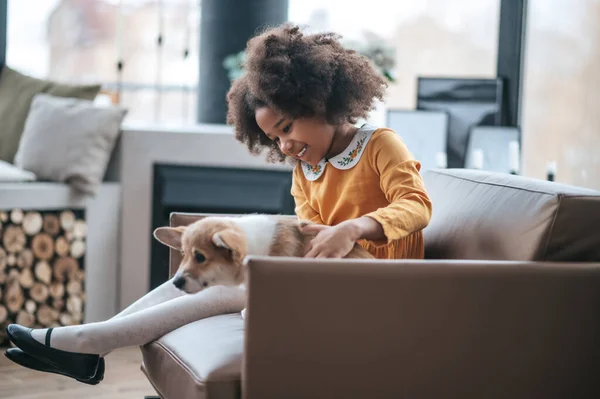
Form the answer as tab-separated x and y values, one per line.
16	92
200	360
69	140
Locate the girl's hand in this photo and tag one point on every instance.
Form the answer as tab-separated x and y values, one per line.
331	242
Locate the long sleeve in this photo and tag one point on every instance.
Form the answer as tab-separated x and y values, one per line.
303	209
410	208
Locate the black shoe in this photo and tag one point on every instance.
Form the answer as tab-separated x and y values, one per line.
25	360
80	366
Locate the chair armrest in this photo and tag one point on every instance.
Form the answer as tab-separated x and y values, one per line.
420	329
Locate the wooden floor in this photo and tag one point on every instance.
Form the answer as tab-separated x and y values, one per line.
123	380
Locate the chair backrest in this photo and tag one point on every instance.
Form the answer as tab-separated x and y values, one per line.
485	215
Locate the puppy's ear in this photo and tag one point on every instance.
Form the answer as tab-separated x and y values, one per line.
170	236
232	241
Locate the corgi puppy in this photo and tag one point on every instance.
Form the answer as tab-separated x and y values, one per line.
214	247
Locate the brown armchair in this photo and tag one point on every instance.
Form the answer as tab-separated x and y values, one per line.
506	305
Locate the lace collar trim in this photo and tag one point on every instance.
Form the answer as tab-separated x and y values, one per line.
347	159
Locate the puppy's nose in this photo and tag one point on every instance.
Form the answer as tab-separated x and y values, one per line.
179	282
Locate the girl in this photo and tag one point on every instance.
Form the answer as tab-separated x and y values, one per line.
300	97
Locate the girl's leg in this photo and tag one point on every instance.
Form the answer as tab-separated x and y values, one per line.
145	325
160	294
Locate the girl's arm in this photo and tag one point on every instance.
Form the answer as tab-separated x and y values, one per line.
365	228
410	207
408	212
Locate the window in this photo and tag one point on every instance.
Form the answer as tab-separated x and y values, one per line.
561	92
431	38
78	41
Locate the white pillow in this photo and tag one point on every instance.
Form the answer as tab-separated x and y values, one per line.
69	140
10	173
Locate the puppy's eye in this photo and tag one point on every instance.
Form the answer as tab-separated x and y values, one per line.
199	257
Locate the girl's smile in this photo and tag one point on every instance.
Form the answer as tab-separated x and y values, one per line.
308	139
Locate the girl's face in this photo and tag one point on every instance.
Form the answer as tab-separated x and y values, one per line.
306	139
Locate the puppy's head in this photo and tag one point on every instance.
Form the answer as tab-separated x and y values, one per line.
213	250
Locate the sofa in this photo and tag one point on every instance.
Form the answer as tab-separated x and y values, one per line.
505	305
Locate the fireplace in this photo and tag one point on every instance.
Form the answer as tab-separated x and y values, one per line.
199	189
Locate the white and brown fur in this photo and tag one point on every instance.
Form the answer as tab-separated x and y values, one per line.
214	247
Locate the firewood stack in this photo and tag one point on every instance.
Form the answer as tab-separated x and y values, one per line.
41	268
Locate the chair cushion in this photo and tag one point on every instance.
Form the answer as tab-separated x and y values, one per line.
498	216
200	360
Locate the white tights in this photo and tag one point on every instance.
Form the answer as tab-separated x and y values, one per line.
160	311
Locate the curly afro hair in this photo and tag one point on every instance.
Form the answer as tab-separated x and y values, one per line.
300	75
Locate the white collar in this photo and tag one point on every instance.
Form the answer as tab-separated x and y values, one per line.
347	159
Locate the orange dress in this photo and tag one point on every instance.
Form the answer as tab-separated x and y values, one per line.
375	176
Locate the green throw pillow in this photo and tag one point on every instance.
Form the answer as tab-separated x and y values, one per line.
16	92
